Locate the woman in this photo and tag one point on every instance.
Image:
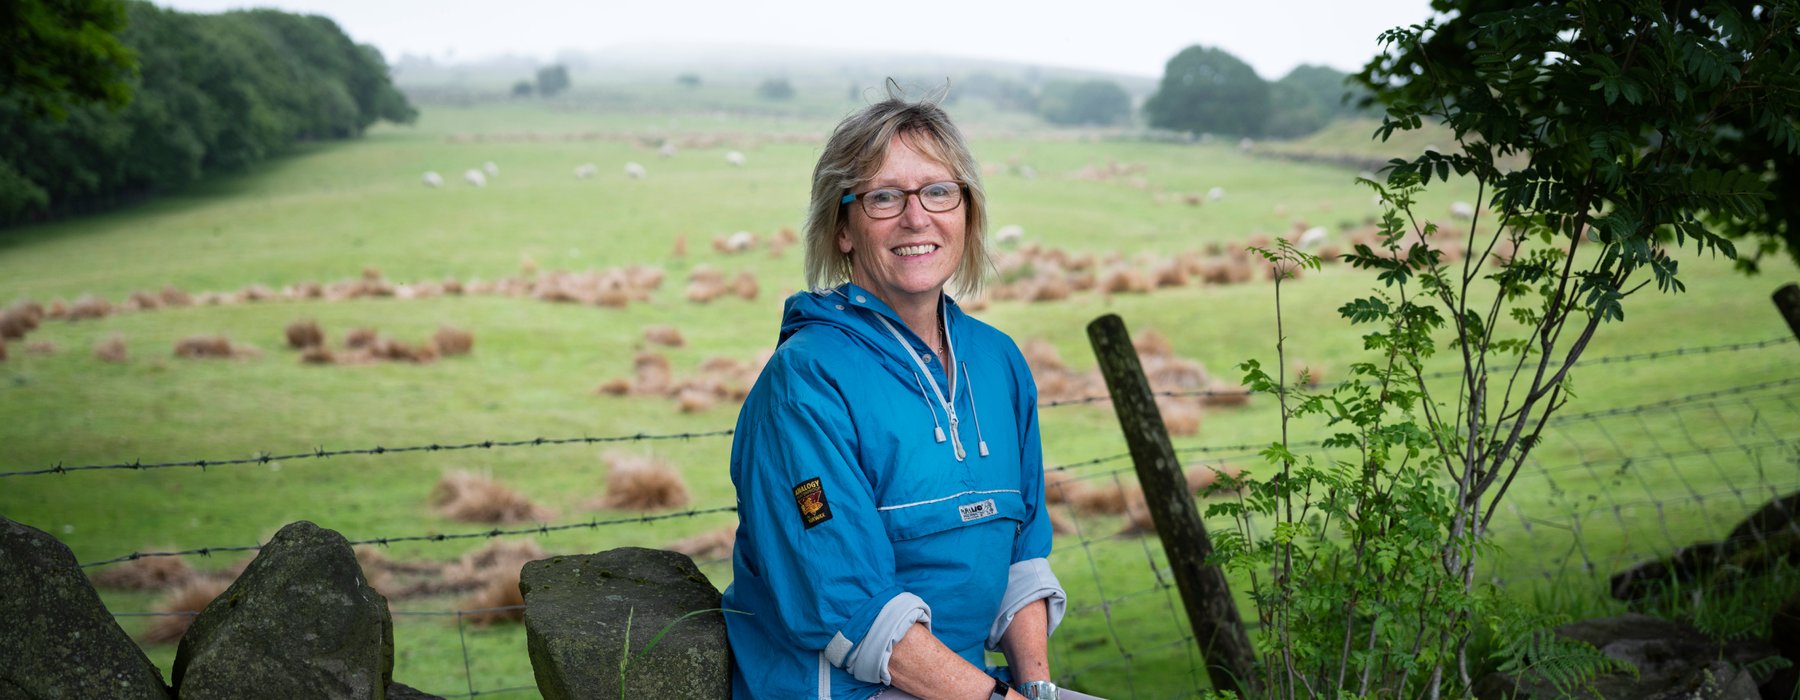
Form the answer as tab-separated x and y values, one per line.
890	483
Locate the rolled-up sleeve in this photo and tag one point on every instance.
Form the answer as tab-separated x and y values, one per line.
808	512
1029	579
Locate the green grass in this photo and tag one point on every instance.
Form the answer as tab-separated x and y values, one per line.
330	210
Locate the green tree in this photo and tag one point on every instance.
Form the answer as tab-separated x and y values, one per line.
1100	102
688	80
552	80
1308	98
1642	126
58	53
1206	89
523	88
775	89
1706	49
215	92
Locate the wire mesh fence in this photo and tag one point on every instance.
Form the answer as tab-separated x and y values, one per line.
1608	487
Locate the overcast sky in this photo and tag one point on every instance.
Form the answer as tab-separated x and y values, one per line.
1135	37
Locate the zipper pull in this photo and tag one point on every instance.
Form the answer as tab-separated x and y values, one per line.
940	433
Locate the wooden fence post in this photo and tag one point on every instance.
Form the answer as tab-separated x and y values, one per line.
1787	301
1230	660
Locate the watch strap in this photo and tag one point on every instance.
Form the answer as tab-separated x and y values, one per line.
1000	690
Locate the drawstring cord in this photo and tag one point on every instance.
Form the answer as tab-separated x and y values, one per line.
933	412
969	386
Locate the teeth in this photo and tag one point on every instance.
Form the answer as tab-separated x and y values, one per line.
920	249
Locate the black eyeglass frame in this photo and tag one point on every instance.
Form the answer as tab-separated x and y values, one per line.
962	188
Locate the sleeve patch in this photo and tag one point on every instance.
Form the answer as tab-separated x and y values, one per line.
810	496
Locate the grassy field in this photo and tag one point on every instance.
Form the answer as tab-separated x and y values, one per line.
329	211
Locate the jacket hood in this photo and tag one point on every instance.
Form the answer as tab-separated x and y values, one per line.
829	307
859	314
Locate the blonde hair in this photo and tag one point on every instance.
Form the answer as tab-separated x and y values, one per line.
856	151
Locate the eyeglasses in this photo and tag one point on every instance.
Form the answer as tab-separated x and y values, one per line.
888	202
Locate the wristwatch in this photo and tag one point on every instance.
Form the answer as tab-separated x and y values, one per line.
1041	690
1000	690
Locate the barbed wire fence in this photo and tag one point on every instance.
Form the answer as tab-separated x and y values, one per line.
1609	487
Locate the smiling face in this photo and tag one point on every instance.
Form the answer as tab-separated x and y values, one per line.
907	259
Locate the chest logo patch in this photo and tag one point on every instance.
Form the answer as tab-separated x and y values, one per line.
810	497
977	511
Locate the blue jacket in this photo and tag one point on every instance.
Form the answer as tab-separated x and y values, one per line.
856	519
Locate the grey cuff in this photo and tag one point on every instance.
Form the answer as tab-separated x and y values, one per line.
867	660
1028	582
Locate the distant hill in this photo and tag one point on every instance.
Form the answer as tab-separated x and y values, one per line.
740	66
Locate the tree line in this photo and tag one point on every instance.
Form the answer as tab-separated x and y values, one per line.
102	101
1203	90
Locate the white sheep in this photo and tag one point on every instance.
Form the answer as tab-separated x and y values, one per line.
635	171
740	241
1215	194
475	177
586	170
491	168
1313	238
1027	172
734	158
1009	232
1462	210
432	179
1246	143
667	150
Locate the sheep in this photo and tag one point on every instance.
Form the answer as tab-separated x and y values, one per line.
1462	210
1009	233
490	168
735	158
586	170
739	242
1215	194
667	150
474	177
432	179
635	171
1313	238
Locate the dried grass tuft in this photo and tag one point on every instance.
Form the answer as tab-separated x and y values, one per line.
470	497
145	574
713	544
318	355
1225	394
640	483
189	598
614	387
89	306
1152	343
450	340
1180	417
304	334
744	286
110	350
664	335
359	338
499	600
203	347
